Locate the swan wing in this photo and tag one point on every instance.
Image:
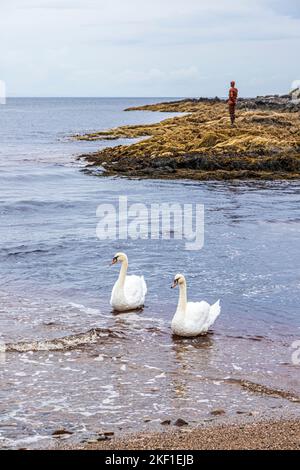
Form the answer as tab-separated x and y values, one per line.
214	312
197	314
135	290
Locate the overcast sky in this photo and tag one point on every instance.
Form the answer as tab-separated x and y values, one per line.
148	48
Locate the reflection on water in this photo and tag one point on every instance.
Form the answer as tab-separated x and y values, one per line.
70	362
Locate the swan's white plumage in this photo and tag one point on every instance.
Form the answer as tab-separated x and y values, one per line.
129	292
132	296
193	318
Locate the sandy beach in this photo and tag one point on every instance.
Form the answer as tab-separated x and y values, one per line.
278	435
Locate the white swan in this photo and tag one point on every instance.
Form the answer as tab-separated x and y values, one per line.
192	318
129	291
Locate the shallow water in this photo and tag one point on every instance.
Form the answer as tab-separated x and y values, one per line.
55	282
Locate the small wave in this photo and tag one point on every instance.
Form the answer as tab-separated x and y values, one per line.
264	390
64	343
250	338
25	250
34	206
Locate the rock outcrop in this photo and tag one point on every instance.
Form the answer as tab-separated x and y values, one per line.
201	144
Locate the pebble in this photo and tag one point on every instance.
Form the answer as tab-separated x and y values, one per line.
61	432
217	412
180	422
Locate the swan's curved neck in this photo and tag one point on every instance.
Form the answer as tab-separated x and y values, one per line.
123	272
182	302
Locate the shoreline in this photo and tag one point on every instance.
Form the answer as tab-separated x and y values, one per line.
201	144
259	435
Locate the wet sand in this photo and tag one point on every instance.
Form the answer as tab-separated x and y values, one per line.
281	435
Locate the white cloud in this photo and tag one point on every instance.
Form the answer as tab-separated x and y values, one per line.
154	74
120	48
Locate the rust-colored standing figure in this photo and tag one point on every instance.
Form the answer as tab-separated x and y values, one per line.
233	95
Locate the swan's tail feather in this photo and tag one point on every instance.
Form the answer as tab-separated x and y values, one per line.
214	312
144	286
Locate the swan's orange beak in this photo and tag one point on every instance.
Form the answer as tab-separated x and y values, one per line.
114	260
174	284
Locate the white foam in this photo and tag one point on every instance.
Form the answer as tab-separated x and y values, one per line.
59	344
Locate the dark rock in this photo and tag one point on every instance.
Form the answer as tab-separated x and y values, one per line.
169	169
61	432
269	102
166	422
180	422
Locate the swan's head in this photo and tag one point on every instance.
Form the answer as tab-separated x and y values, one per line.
119	258
179	279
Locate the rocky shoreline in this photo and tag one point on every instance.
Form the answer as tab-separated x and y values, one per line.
201	145
268	435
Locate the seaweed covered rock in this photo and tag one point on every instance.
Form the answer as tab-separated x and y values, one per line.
201	144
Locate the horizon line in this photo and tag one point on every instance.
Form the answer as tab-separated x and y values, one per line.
111	97
125	97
